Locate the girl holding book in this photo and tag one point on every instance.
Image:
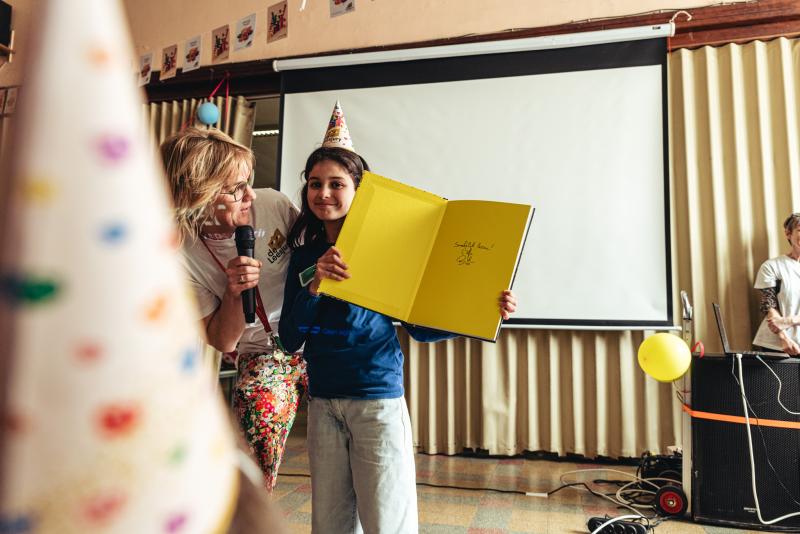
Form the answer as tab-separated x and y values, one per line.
359	434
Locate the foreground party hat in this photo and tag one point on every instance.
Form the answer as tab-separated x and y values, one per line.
111	422
337	135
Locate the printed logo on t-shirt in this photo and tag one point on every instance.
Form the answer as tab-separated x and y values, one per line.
277	240
277	246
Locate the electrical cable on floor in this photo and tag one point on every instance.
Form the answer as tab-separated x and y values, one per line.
498	490
428	484
583	485
614	500
635	504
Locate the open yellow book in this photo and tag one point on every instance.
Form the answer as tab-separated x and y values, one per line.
429	261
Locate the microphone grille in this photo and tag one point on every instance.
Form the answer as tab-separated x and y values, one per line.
245	233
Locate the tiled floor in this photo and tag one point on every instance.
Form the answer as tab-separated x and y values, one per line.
460	511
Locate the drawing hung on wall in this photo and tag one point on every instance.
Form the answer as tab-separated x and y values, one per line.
245	31
169	62
277	21
220	44
191	54
145	68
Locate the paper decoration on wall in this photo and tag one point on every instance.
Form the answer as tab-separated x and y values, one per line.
169	62
340	7
277	21
145	68
191	53
12	94
110	418
245	32
220	44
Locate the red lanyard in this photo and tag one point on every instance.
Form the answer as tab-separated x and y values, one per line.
262	315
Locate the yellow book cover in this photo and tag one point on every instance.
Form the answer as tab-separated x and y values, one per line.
422	259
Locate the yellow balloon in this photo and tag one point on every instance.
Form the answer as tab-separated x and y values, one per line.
665	357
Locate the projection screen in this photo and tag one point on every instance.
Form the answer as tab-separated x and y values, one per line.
580	133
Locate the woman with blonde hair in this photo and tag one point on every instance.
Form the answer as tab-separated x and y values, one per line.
209	179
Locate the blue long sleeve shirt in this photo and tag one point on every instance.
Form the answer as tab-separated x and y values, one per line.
351	352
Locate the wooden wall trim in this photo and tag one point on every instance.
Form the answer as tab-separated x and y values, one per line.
712	25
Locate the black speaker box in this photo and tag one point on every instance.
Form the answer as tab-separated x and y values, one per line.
5	23
721	481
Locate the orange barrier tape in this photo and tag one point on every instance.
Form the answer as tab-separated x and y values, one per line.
740	419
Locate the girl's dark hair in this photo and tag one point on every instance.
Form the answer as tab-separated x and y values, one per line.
308	228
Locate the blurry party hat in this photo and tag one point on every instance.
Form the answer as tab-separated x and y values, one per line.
337	134
111	421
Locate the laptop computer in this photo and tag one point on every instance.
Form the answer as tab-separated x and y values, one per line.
723	336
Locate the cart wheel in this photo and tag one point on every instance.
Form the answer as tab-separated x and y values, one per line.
671	501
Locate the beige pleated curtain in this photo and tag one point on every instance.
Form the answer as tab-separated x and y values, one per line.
166	118
736	168
735	165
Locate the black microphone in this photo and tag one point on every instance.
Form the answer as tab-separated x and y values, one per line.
245	243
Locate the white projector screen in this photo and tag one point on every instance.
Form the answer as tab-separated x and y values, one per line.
579	133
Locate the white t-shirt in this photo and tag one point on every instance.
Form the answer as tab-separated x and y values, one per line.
786	270
272	215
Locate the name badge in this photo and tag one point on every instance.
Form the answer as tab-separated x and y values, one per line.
307	276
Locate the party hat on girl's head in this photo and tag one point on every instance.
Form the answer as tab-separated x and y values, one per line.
111	421
337	134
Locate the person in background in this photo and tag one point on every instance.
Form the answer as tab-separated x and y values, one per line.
778	280
359	433
208	174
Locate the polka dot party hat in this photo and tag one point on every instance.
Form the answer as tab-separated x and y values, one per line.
111	421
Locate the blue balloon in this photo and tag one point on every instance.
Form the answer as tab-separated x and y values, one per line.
208	113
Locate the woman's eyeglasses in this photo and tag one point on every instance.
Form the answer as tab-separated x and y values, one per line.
238	193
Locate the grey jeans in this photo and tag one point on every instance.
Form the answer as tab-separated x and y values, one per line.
362	467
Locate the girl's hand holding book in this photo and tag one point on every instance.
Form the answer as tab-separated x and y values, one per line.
508	304
329	265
